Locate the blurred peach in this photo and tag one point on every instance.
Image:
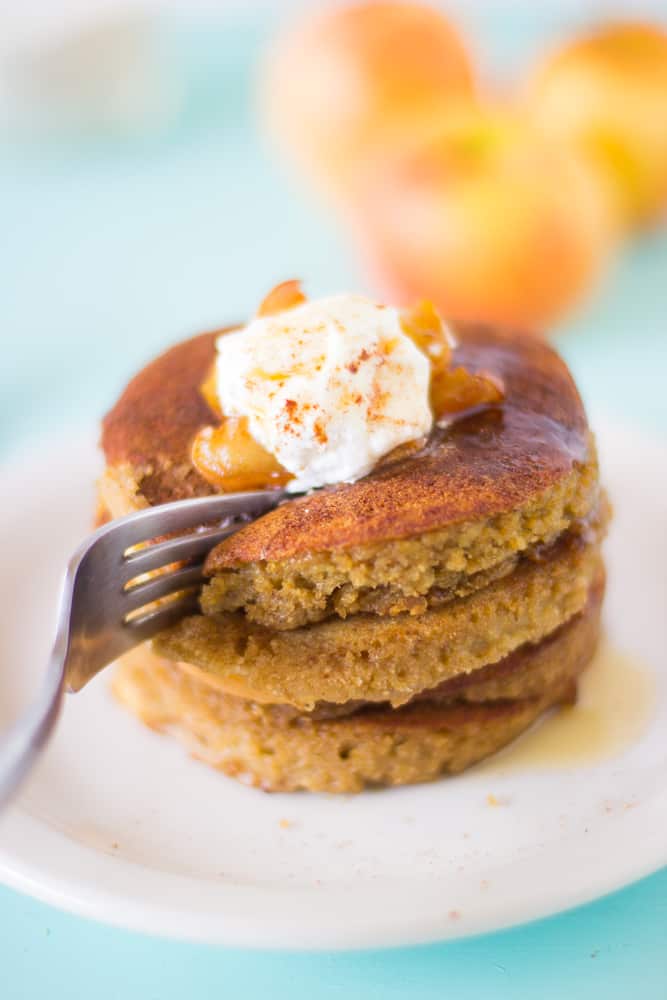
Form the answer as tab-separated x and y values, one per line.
352	79
608	92
488	219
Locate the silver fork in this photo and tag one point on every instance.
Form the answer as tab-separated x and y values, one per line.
106	608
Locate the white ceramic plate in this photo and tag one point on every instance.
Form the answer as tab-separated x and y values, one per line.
118	824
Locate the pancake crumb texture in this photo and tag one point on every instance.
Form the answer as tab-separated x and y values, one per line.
279	750
386	658
398	575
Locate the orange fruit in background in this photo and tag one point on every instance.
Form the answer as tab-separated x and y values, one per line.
350	80
607	92
486	217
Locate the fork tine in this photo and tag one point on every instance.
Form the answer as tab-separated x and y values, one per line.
181	549
148	625
162	586
95	605
165	519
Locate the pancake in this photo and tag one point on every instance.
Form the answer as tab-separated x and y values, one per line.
383	631
407	574
387	658
493	463
515	676
442	732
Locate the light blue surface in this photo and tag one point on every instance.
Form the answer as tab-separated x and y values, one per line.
112	250
613	949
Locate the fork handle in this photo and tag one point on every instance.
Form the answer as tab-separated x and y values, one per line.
20	746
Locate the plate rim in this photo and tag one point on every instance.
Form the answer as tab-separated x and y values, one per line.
369	927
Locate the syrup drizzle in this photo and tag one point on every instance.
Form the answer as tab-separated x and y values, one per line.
616	695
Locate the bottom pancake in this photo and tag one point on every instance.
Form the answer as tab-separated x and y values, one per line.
440	732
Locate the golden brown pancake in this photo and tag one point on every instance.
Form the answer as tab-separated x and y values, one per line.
490	463
386	658
407	574
516	675
443	732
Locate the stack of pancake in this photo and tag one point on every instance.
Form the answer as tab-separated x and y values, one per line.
386	631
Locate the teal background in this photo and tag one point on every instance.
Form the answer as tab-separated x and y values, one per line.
114	247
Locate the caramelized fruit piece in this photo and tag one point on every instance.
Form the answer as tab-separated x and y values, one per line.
457	390
402	451
452	391
209	391
284	296
426	329
228	456
230	459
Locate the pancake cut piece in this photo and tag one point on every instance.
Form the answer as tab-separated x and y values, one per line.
384	658
278	750
515	676
407	574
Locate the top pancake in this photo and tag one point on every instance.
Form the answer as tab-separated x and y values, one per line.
152	426
488	463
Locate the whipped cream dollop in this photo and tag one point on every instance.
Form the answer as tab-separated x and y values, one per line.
328	387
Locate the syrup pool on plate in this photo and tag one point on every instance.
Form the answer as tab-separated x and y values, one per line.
613	707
